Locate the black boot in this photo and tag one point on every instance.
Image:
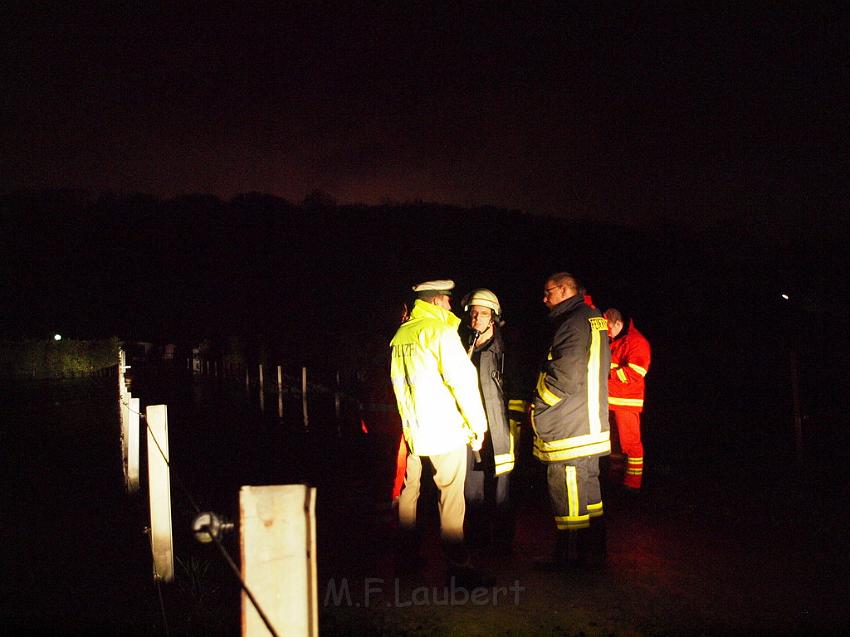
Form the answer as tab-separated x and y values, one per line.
408	558
593	545
559	560
460	573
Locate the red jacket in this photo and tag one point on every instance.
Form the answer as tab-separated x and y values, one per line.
630	354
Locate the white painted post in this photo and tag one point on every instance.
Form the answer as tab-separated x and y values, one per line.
261	377
280	391
304	396
159	481
122	367
278	543
337	398
133	445
124	407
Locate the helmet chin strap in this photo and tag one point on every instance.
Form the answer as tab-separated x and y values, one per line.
475	335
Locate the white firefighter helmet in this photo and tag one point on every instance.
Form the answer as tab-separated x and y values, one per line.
484	298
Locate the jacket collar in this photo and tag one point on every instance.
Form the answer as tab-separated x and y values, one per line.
421	309
565	306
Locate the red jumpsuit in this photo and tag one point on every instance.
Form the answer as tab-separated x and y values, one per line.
630	355
379	418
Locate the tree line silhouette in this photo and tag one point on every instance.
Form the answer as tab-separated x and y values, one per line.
319	280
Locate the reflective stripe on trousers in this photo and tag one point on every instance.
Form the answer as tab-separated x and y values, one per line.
574	492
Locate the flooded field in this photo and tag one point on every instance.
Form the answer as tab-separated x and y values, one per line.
727	537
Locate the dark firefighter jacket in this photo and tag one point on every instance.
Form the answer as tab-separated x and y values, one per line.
630	354
489	360
570	409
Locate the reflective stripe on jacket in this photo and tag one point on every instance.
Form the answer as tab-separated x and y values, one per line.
570	410
435	384
630	356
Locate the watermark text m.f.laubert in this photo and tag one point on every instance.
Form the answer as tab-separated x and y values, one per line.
375	589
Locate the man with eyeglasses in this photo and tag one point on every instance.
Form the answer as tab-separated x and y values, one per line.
569	416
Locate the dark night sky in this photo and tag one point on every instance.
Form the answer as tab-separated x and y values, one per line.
626	115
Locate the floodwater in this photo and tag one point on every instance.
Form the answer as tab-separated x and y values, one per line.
725	539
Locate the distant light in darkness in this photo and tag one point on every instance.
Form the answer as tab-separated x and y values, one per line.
785	296
57	337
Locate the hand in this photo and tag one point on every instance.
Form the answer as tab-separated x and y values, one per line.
477	442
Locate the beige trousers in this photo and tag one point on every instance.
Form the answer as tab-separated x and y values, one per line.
449	476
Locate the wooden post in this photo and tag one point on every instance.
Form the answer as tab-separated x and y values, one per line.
337	398
261	378
247	378
798	412
159	481
278	543
133	445
304	397
124	407
122	368
279	379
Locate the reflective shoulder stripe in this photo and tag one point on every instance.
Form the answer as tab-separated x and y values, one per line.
598	327
640	370
545	393
625	402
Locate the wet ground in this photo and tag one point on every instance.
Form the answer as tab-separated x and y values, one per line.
734	540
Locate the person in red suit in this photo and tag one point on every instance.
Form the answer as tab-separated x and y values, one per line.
630	356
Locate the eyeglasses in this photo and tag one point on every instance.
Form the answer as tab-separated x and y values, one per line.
547	291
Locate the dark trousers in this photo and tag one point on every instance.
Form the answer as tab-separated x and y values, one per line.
489	507
574	492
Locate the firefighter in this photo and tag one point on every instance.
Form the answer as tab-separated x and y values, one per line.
569	416
380	420
489	519
630	355
379	416
436	390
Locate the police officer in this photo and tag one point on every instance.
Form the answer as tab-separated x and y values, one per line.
436	390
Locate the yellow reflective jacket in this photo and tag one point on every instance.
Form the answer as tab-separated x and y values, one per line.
435	384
